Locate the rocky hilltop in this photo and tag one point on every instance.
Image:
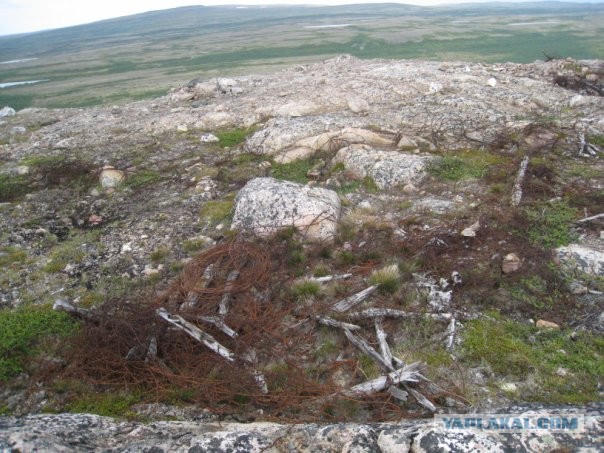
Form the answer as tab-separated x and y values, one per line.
315	229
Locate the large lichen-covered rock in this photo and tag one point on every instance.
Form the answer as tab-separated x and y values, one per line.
387	168
584	259
266	205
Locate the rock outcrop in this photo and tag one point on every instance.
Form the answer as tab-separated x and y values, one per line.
83	432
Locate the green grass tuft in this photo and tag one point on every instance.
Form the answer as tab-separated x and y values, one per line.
294	171
387	278
22	333
303	289
216	211
142	178
232	137
550	223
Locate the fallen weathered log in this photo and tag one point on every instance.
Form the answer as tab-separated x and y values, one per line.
192	298
398	393
220	325
327	321
355	299
223	308
368	349
588	219
381	336
402	375
195	332
328	278
517	191
393	313
140	351
77	312
451	331
421	399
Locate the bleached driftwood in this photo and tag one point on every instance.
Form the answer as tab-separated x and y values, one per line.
398	393
77	312
517	191
421	399
451	331
585	147
195	332
402	375
327	321
329	278
251	358
369	350
593	217
355	299
141	351
393	313
223	308
219	324
381	336
192	297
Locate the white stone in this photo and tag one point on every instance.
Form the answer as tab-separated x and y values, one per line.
266	205
182	128
471	231
209	138
492	82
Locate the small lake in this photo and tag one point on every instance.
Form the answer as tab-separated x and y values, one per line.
23	82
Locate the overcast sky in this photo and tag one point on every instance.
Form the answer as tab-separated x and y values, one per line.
20	16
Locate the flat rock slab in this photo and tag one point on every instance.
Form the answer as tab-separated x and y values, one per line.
266	205
387	168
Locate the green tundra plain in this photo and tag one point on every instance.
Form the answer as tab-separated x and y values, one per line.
142	56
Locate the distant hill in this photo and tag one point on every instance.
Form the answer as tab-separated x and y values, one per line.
142	55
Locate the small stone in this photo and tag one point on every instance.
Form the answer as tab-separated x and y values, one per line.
509	387
95	220
492	82
94	192
182	128
209	138
127	247
511	263
562	372
470	231
577	288
22	170
110	177
542	324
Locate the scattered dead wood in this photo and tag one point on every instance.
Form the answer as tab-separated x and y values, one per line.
77	312
223	308
329	278
410	373
589	219
393	313
381	336
327	321
355	299
218	322
369	350
517	191
195	332
451	331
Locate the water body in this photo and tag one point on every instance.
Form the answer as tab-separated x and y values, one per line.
17	61
328	26
23	82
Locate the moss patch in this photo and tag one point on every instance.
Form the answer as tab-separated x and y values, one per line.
216	211
22	334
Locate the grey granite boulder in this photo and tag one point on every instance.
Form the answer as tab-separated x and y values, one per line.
266	205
